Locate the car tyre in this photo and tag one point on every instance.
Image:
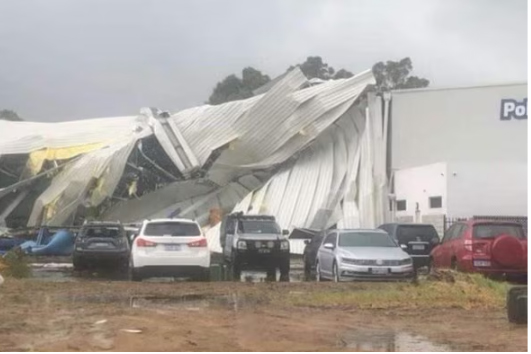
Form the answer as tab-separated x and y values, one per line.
517	305
203	276
335	274
235	270
284	270
454	265
133	274
318	277
79	266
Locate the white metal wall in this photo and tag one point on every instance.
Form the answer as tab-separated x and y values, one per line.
487	189
460	124
416	185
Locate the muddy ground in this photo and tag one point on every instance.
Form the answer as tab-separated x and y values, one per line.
107	315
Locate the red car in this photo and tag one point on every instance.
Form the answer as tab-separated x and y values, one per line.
493	248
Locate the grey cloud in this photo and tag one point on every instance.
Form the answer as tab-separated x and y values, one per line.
62	59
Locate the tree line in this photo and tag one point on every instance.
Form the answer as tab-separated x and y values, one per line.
390	75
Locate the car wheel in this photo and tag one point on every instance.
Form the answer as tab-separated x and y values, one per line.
133	274
235	271
318	272
79	266
335	274
284	270
454	265
204	276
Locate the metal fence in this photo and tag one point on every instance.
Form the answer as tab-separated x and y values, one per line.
519	219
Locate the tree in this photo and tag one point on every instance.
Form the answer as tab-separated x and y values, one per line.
315	67
394	75
6	114
389	76
233	88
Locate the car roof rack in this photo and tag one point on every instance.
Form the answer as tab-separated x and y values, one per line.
241	216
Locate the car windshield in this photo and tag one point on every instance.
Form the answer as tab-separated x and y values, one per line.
258	227
365	239
482	231
101	231
408	233
172	228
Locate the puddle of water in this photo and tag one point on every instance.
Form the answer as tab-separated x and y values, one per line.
390	341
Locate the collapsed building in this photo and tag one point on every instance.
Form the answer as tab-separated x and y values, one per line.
311	154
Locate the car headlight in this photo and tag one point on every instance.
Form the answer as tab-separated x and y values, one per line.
241	245
406	261
350	260
284	245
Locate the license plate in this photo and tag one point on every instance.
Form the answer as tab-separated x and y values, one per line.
172	247
100	244
418	247
379	270
264	250
482	263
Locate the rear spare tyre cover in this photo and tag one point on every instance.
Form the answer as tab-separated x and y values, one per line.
508	251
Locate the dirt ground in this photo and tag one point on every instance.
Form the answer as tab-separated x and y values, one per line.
223	316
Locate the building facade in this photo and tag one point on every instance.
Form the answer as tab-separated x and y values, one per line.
458	152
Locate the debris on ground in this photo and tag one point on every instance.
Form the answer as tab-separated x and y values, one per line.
15	264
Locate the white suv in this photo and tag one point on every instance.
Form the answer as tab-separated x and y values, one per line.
170	248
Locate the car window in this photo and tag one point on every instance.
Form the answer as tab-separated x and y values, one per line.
366	239
230	226
458	232
172	228
331	238
101	231
258	227
448	234
491	230
409	233
317	239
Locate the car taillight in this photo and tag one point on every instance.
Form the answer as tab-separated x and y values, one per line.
140	242
199	243
480	247
468	245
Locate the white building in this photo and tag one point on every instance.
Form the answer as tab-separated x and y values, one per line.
459	152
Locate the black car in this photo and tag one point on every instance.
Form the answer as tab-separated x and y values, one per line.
416	239
313	242
255	242
101	244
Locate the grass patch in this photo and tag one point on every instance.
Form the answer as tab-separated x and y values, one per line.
465	291
15	264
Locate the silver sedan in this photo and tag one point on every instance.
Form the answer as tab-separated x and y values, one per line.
362	255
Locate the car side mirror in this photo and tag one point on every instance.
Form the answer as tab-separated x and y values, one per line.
329	246
306	242
285	232
404	247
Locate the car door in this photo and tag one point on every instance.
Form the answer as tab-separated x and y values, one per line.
231	231
326	258
439	253
457	243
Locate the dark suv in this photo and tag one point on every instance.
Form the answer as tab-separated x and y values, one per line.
416	239
101	243
255	242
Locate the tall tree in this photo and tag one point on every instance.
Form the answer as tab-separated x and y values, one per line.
394	75
7	114
315	67
233	88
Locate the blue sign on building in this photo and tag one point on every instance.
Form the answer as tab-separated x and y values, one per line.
513	109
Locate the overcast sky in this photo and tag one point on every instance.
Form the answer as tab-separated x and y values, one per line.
64	59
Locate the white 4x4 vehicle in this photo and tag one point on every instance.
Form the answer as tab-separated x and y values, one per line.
170	248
